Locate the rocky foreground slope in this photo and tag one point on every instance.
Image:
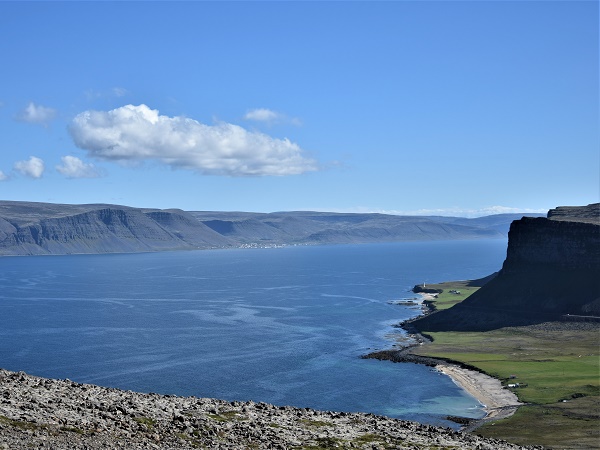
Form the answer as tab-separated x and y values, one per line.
61	414
550	273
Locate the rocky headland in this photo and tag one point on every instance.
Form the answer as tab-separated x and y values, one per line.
550	273
62	414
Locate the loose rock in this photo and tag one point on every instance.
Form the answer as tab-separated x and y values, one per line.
61	414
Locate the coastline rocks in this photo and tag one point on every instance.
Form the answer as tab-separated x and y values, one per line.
421	289
62	414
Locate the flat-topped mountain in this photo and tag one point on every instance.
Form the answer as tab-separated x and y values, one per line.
551	272
28	228
42	228
589	213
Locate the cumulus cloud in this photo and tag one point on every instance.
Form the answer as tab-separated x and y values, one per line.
36	114
3	177
135	134
33	167
73	167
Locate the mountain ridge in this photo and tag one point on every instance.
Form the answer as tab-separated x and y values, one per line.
34	228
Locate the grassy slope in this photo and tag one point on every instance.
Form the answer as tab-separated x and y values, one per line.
557	361
446	299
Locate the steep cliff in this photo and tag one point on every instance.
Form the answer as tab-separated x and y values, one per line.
32	229
551	271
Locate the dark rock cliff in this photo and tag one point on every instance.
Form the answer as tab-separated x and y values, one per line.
551	272
545	242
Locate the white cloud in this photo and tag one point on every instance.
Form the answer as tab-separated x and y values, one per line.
36	114
134	134
449	212
73	167
119	92
268	116
33	167
262	115
3	177
479	212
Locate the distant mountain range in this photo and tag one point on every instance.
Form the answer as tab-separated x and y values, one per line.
28	228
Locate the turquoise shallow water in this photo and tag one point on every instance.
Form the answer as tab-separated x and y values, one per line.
284	326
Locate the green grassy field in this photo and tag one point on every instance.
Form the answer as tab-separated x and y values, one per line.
447	299
558	362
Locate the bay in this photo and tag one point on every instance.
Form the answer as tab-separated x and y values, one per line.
283	325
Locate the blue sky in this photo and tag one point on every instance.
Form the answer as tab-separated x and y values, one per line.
450	107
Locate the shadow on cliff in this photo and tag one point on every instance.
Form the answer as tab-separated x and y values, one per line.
517	299
551	272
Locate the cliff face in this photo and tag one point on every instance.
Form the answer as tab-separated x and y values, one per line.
552	243
589	213
551	270
101	229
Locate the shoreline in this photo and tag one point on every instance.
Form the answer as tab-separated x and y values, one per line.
497	401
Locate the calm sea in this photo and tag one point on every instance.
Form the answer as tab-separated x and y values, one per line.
284	325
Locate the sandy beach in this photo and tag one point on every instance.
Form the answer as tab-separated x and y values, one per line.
498	401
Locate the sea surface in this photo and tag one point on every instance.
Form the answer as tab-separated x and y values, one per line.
280	325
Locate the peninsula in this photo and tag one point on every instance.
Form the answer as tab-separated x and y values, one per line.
534	326
550	273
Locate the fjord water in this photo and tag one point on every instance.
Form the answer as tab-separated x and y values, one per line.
282	325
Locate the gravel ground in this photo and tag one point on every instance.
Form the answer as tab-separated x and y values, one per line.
61	414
